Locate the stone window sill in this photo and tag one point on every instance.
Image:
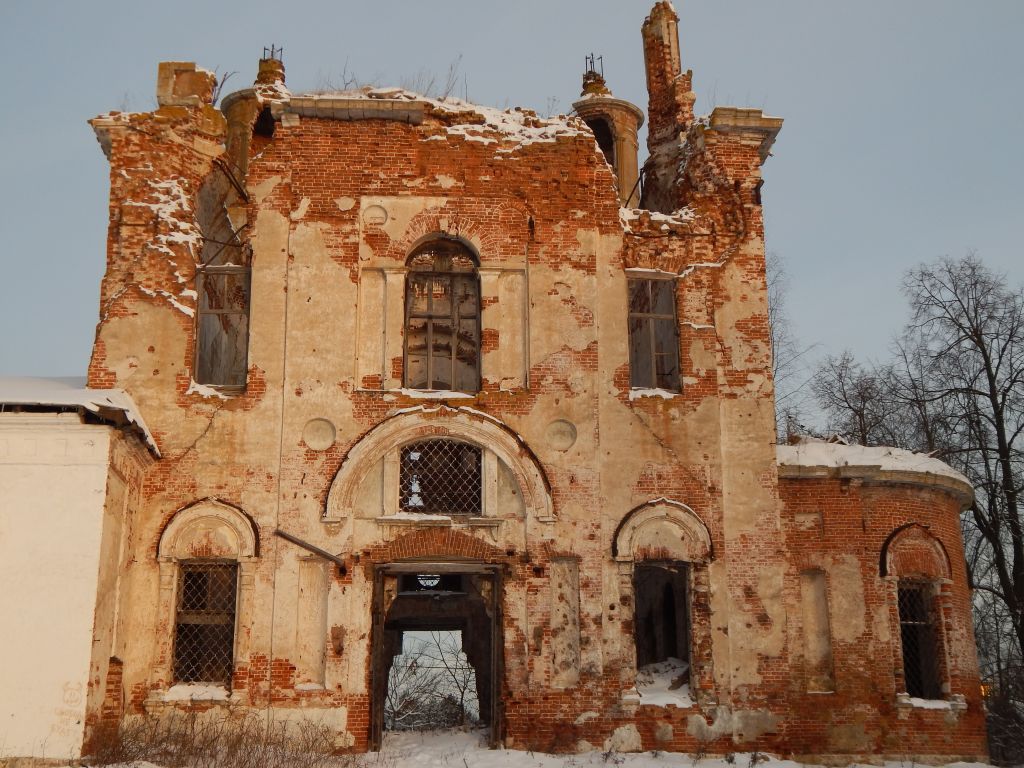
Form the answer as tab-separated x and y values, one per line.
438	521
636	393
632	697
190	692
955	703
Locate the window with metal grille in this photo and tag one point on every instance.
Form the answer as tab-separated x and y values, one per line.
442	319
204	627
921	671
653	335
441	477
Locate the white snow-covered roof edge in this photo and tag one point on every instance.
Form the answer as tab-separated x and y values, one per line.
473	121
811	457
114	405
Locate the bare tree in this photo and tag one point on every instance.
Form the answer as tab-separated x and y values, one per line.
956	389
789	357
431	685
968	328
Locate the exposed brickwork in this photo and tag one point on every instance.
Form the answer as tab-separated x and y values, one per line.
329	207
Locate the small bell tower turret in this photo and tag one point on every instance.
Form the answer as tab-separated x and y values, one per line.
615	124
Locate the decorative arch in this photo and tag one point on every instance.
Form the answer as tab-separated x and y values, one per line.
209	528
451	222
913	551
444	224
443	422
440	236
664	527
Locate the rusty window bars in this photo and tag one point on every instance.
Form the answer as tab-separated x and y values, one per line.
204	622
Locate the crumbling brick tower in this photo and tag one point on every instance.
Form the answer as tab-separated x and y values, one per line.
420	364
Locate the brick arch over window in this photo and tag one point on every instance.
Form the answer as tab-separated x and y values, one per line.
484	239
912	551
435	235
662	529
452	423
434	543
209	529
917	574
207	554
663	548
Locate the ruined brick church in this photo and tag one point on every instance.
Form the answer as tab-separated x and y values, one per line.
394	363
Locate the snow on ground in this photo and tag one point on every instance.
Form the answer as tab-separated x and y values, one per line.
447	749
468	749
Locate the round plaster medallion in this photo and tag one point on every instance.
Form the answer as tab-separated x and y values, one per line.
561	434
375	215
319	434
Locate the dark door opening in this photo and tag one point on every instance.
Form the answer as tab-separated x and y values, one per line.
436	648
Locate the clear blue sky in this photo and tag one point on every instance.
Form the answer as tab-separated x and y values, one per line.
902	139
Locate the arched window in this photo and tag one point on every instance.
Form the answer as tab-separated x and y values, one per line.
918	567
207	555
442	318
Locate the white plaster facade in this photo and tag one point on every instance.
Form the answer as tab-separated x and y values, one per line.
64	488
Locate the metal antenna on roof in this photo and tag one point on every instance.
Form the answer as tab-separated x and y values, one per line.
273	52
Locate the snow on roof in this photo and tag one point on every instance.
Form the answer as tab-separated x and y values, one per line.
71	392
815	452
486	125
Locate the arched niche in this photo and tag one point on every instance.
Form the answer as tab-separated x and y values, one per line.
912	551
383	442
662	529
208	529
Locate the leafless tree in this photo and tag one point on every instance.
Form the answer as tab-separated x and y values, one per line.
431	685
956	389
856	399
789	357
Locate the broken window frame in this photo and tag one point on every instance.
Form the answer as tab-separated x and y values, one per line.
186	671
682	612
920	639
643	327
436	266
202	373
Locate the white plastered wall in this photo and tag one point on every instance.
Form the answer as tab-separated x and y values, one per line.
53	480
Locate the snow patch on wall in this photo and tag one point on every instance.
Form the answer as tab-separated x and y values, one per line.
196	692
627	216
664	684
195	388
638	392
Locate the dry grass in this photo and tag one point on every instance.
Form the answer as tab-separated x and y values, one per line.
216	740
